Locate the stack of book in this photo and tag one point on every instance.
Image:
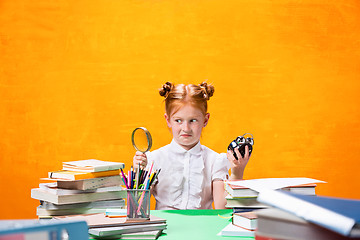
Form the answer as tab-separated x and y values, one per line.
242	198
81	187
295	216
103	227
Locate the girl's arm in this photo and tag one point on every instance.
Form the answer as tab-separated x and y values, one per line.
219	194
237	173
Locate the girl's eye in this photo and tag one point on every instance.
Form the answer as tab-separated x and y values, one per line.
193	120
178	120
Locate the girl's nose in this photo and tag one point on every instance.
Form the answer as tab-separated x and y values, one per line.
186	126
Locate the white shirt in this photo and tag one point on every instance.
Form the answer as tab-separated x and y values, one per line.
185	179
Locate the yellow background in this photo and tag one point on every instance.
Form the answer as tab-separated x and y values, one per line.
76	77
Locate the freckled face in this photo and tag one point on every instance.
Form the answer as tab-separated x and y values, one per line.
186	125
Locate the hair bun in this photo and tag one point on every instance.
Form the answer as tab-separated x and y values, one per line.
166	88
208	90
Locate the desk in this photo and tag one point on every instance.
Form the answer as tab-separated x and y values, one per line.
195	224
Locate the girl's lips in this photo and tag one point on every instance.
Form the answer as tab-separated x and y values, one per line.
185	135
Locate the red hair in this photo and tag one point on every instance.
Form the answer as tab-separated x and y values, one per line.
177	96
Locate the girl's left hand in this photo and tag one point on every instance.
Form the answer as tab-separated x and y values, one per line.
238	166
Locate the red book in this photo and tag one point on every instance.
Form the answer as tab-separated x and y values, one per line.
260	237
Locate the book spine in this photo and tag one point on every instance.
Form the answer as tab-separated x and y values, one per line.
108	168
97	174
43	230
91	184
102	182
90	197
38	235
75	211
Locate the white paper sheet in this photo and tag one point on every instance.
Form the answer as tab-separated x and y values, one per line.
274	183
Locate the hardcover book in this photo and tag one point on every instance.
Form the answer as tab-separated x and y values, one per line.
42	212
92	165
42	229
77	175
336	214
116	203
139	235
52	188
245	192
46	209
47	196
91	183
247	220
274	224
243	202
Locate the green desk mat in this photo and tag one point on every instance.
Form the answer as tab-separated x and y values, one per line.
195	224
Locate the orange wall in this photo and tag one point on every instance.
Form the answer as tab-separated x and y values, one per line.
76	77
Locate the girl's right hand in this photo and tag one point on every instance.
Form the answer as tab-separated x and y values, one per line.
238	166
139	158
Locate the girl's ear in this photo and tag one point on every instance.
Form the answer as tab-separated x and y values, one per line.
167	118
207	116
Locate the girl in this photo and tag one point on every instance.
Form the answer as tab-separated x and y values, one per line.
191	174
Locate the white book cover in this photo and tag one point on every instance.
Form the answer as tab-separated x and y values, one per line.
92	165
234	231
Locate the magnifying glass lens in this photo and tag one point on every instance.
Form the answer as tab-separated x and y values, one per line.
141	139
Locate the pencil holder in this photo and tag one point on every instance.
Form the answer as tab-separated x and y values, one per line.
138	204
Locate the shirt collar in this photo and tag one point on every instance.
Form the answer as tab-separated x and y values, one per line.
175	147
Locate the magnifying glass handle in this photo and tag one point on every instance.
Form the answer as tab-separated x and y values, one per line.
140	159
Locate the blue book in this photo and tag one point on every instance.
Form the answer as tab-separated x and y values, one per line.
337	214
241	210
43	229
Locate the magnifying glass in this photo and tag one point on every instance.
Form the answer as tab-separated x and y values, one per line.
141	139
